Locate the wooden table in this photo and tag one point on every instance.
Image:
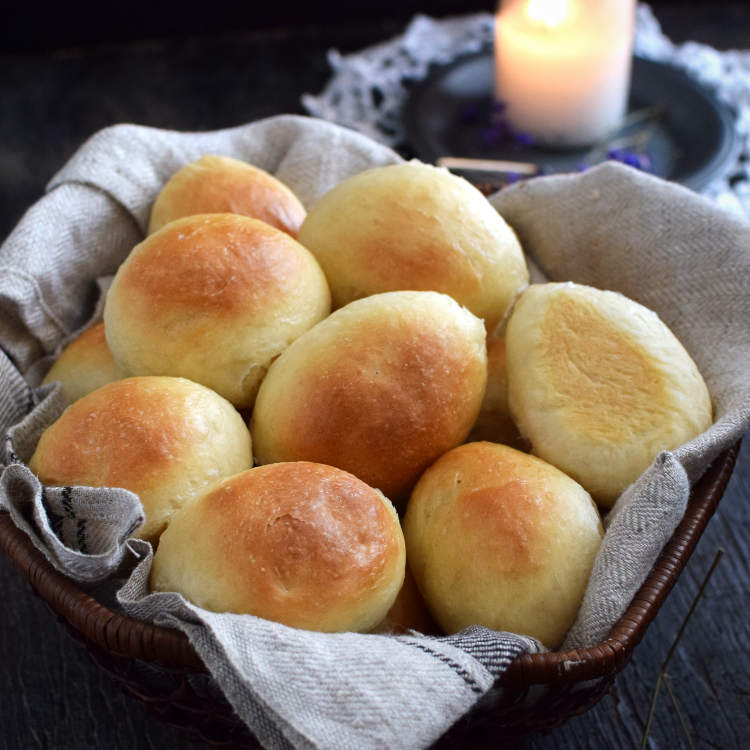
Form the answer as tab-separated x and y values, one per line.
51	695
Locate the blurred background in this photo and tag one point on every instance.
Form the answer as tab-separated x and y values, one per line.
34	26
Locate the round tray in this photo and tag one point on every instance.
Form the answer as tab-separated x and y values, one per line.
691	136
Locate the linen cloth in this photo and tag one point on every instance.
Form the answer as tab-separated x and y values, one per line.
611	227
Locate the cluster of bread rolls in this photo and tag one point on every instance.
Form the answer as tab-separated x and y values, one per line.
353	416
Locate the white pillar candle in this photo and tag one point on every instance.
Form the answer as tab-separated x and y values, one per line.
562	67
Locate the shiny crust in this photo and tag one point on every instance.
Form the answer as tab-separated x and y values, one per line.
213	298
85	364
299	543
499	538
414	226
381	388
219	184
599	385
166	439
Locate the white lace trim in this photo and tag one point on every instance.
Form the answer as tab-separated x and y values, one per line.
368	88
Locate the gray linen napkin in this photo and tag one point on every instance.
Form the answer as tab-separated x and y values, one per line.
612	227
292	688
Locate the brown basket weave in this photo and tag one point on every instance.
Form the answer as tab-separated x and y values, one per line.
159	666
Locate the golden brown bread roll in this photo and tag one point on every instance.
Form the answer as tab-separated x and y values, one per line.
219	184
166	439
414	226
300	543
85	364
500	538
380	388
599	385
213	298
408	612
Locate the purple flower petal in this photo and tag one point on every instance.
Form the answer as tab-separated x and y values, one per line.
525	139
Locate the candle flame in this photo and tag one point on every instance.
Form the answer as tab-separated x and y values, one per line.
549	12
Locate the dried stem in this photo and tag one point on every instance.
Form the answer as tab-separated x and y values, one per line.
683	722
663	670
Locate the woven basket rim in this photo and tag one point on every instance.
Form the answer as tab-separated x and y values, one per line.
129	638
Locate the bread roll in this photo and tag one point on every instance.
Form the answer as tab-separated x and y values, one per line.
494	422
499	538
414	226
408	612
217	185
166	439
380	388
600	385
299	543
85	364
213	298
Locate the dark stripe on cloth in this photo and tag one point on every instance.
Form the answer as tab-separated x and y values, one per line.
67	502
55	520
81	536
494	650
457	668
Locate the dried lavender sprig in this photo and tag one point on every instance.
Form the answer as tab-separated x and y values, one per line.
636	142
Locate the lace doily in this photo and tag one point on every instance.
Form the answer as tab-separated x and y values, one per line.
368	88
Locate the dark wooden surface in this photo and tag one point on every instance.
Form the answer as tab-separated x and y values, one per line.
51	695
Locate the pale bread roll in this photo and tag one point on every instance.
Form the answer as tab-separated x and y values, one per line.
218	185
494	422
166	439
499	538
599	385
213	298
300	543
380	388
414	226
85	364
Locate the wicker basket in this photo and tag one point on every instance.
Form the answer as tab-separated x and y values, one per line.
159	666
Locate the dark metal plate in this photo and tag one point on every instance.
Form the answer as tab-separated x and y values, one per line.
691	140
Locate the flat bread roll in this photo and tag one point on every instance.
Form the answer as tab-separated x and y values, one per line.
599	385
166	439
499	538
218	185
85	364
415	226
213	298
300	543
380	388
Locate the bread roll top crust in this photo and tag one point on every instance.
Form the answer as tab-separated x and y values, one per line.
415	226
166	439
220	264
213	298
220	184
501	538
380	388
301	543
